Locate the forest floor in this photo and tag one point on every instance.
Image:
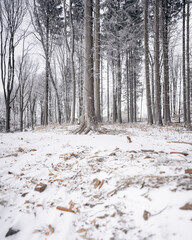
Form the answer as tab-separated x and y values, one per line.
133	182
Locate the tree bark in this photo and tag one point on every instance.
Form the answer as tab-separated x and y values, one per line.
188	69
97	61
147	80
88	117
119	117
184	68
164	19
157	67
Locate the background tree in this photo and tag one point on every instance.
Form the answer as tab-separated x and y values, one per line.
48	24
11	18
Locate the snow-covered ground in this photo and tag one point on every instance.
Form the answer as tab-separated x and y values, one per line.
99	186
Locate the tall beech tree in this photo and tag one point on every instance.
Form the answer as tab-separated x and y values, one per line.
88	121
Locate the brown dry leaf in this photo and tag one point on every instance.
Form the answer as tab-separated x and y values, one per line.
101	184
49	154
129	139
51	229
146	215
188	171
36	231
64	209
187	206
46	233
96	182
104	216
20	149
71	205
73	155
33	150
82	230
93	156
39	205
40	187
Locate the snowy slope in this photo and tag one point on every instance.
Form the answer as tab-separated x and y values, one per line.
112	188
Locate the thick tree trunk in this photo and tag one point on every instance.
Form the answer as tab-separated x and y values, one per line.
97	61
147	80
184	68
8	113
166	109
88	118
135	95
72	68
157	67
188	69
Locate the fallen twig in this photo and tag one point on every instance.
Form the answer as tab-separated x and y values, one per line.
64	209
179	142
182	153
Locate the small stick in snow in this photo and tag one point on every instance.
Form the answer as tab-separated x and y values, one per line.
129	139
64	209
147	215
101	184
182	153
179	142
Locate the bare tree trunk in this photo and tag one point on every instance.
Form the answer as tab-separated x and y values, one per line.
119	86
46	103
108	90
188	69
157	66
147	80
131	85
114	94
97	61
135	94
88	119
184	68
127	78
165	61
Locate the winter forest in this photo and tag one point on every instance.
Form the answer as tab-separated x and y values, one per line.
95	119
109	61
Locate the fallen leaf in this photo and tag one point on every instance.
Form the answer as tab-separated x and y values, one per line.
96	182
40	187
146	215
82	230
33	150
52	230
11	232
49	154
20	149
71	205
129	139
187	206
188	171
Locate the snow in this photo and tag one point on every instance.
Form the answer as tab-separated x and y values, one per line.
138	177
